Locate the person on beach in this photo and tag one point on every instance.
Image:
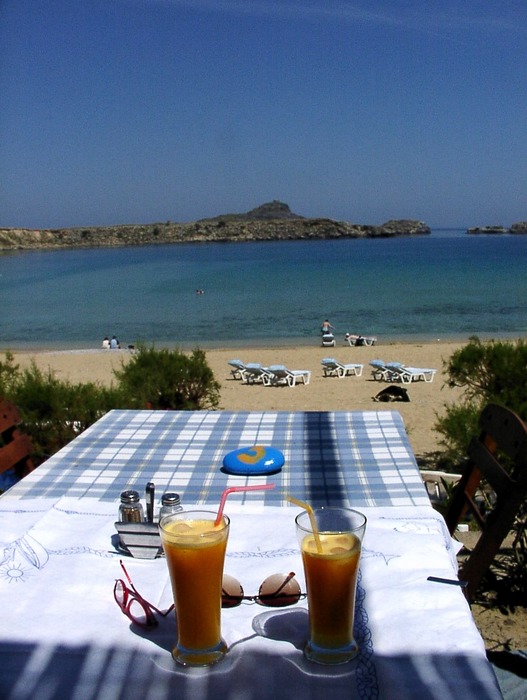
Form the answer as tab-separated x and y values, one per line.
326	328
114	343
106	343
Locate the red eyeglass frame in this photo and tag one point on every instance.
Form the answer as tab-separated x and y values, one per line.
125	596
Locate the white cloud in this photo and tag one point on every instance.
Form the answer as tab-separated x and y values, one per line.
419	15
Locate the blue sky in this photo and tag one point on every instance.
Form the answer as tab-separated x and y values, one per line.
138	111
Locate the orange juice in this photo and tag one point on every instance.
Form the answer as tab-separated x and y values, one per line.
195	552
331	570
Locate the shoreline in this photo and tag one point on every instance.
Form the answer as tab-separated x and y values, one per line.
253	343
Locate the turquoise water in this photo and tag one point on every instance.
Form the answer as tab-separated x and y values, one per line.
447	285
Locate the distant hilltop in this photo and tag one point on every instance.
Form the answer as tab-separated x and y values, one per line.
273	221
519	227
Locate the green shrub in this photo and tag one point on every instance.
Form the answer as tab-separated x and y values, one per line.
168	379
457	426
489	372
53	411
492	371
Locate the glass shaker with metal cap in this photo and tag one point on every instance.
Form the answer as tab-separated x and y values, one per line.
131	510
170	503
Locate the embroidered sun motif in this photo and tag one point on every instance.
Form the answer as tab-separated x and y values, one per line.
12	571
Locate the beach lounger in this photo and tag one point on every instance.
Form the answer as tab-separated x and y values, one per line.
237	368
254	373
280	375
328	340
397	372
334	368
414	374
385	371
360	339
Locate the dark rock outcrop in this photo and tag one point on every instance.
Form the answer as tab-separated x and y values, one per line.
403	227
269	222
519	227
488	229
265	212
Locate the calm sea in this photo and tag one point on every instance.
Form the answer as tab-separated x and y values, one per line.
445	286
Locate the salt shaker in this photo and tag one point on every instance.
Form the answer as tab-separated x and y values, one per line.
170	503
131	510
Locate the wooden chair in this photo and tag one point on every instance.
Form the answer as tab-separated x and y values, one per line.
15	447
503	437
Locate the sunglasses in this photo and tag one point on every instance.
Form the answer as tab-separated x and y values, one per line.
133	605
277	591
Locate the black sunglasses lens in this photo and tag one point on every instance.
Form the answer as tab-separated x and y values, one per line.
231	592
278	591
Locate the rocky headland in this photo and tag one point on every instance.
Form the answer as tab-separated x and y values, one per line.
273	221
519	227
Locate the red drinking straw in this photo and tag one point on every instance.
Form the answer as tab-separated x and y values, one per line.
234	489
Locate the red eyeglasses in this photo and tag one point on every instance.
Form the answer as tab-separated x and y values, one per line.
133	605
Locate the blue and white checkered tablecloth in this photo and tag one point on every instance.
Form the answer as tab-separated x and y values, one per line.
358	458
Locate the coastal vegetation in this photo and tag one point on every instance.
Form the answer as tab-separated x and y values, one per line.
491	371
167	379
54	411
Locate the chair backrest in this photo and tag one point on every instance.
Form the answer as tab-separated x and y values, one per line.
15	447
378	364
503	437
238	364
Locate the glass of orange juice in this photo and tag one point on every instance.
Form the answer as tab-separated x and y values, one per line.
330	541
195	551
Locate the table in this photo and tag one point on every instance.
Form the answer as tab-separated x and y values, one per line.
343	458
62	635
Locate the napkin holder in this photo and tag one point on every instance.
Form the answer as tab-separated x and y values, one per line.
140	540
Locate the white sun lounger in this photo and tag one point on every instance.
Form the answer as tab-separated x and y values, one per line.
415	374
328	340
334	368
237	368
397	372
280	375
384	371
360	339
254	373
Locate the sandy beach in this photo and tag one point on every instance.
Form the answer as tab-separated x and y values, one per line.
427	400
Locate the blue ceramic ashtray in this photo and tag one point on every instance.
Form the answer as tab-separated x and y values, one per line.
253	461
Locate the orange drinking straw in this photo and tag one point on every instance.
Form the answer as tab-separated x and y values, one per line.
234	489
312	519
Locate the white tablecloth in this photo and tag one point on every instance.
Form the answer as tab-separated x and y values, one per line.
62	634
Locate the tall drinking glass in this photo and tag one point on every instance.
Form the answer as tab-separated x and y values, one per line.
330	554
195	552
